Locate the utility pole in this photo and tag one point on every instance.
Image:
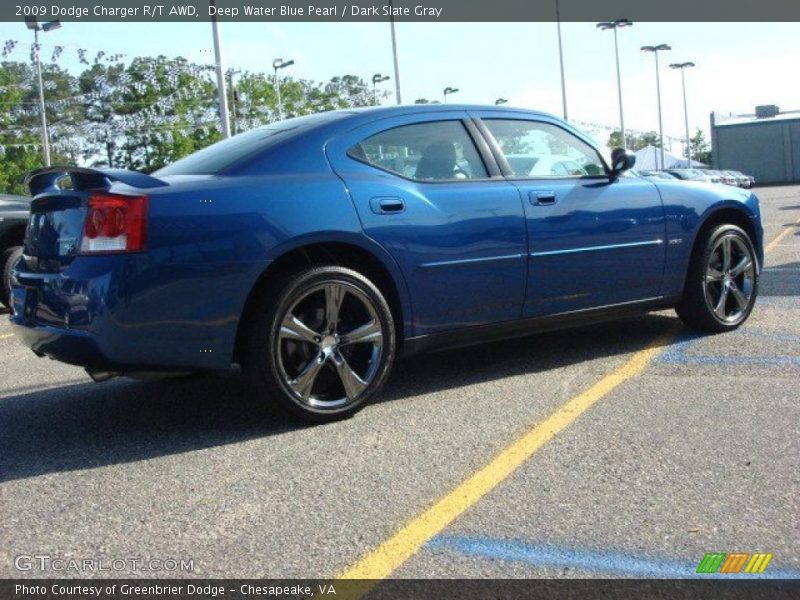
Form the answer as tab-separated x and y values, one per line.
616	25
561	62
683	67
394	57
32	23
655	50
222	94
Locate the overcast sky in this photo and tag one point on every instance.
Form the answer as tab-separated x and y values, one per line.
739	65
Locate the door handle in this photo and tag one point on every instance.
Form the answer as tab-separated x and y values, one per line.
542	198
385	206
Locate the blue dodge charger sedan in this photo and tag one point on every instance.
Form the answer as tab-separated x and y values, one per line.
314	251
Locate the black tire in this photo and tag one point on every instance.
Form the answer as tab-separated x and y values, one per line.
7	260
695	308
275	358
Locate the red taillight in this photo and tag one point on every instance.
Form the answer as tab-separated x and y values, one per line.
114	223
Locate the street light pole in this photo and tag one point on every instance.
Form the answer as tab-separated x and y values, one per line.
279	63
394	56
655	50
448	91
32	23
616	25
683	67
45	137
222	93
561	62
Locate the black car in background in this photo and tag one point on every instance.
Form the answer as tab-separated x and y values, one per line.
14	212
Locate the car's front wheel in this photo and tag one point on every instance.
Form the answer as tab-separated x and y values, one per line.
322	344
722	281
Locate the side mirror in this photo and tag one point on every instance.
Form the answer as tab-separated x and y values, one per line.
621	161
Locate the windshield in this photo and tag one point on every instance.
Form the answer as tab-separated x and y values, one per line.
218	157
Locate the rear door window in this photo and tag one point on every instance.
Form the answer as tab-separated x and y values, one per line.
433	151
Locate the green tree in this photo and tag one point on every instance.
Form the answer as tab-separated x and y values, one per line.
102	94
700	148
20	121
167	110
615	140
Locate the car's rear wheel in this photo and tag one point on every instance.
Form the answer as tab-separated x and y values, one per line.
322	344
7	259
722	282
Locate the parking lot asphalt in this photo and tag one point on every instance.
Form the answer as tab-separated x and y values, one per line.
694	450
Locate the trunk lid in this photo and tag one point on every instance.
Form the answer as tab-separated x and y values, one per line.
55	226
60	206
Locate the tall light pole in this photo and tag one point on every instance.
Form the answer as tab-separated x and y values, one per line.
561	62
616	25
655	50
500	101
448	91
32	23
279	63
394	56
683	66
222	92
376	79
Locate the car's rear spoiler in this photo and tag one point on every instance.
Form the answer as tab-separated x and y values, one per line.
45	179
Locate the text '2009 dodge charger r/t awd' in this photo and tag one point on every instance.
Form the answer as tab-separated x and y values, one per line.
314	251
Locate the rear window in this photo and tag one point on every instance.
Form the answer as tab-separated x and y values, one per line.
218	157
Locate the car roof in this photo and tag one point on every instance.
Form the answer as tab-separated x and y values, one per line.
402	109
366	114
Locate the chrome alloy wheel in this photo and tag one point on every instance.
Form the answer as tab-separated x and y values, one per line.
329	345
730	279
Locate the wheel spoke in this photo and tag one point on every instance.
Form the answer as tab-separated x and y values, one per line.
352	383
293	328
334	295
721	303
713	274
740	298
304	382
742	266
726	253
369	333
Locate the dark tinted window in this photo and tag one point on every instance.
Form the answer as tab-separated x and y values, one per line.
219	156
438	150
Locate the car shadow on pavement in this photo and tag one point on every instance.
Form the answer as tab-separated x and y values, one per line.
87	425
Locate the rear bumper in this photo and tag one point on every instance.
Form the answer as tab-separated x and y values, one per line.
68	316
69	346
111	313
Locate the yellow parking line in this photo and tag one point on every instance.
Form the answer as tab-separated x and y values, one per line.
781	235
6	335
380	562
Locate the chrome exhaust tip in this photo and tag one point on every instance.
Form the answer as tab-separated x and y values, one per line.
101	376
